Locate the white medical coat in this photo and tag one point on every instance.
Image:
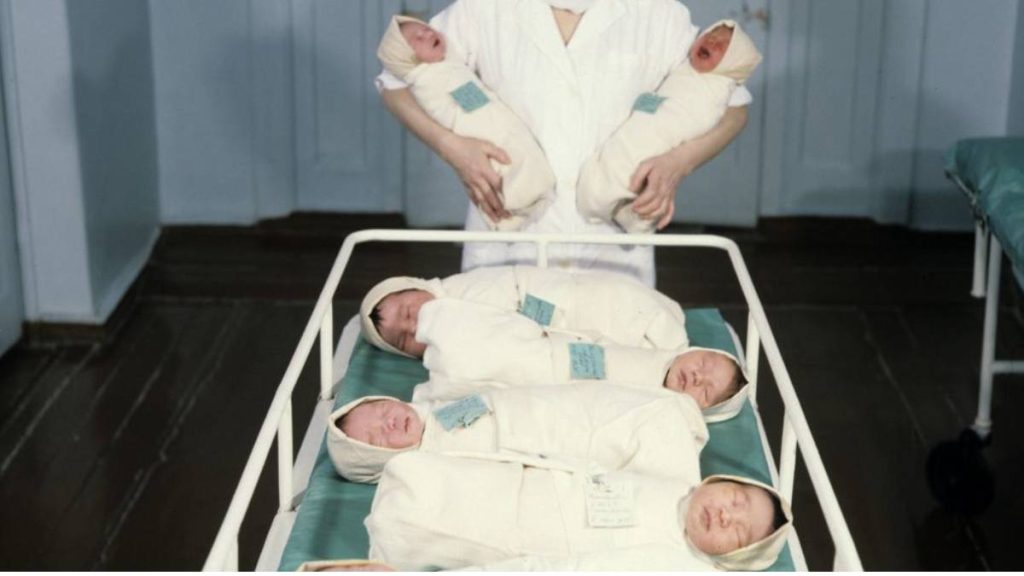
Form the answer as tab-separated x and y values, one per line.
572	97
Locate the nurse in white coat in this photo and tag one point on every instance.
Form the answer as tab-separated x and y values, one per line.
572	76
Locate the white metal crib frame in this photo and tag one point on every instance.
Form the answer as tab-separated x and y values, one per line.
986	286
795	432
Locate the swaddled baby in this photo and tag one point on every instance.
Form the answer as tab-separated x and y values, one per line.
469	346
455	98
596	425
444	513
602	304
689	103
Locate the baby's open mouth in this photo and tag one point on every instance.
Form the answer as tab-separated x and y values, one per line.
703	53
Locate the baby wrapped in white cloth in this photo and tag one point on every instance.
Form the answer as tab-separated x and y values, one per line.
469	345
611	427
689	103
441	512
455	98
600	304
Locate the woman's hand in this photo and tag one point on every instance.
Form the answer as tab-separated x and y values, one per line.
655	182
471	159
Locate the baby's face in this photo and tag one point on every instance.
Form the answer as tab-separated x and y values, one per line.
726	516
399	315
708	50
384	423
428	44
706	376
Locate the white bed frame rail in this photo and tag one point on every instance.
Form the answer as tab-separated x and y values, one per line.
796	434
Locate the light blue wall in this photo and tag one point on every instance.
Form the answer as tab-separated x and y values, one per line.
223	85
965	92
1015	125
114	112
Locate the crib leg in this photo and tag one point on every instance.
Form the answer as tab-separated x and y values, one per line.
983	422
980	242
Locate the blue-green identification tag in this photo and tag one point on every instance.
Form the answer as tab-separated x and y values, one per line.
586	361
540	311
470	97
648	102
462	413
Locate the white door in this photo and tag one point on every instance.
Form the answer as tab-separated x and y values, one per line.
347	149
11	311
824	95
726	190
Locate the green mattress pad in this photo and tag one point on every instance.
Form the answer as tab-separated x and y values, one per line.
329	523
993	171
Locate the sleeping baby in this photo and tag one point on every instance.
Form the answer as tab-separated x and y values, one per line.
602	426
600	304
689	103
454	97
435	511
469	346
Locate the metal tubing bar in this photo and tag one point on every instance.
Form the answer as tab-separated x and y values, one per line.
1008	367
257	459
834	518
787	459
231	562
980	242
232	522
285	459
327	353
983	421
753	356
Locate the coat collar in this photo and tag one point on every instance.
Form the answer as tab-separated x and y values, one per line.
538	24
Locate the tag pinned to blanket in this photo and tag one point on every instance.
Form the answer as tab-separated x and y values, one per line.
470	97
540	311
462	413
586	361
648	102
611	502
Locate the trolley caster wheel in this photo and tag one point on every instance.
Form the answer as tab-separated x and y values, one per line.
958	477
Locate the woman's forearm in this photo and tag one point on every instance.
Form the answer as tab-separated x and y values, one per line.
408	111
697	152
469	157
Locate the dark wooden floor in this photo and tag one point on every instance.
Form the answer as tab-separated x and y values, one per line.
121	446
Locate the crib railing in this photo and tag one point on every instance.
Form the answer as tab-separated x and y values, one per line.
796	434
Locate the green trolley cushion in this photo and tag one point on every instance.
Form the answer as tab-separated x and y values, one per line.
993	171
329	524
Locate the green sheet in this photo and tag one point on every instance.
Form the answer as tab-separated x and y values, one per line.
329	524
993	170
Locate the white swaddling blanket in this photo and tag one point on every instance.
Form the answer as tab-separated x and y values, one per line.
471	345
449	91
599	304
611	306
693	104
433	511
598	425
602	426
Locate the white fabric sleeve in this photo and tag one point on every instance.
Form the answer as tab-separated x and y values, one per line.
388	81
741	97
